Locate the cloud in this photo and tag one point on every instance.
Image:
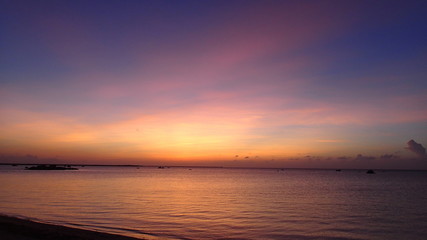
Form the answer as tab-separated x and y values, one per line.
388	156
362	158
416	148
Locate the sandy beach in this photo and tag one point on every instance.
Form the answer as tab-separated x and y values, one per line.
19	229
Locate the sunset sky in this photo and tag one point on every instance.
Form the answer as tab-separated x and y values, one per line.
219	83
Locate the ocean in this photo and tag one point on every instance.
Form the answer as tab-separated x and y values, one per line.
222	203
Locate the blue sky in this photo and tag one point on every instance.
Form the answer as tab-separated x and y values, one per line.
306	83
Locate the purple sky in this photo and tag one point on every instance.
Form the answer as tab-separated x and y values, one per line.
231	83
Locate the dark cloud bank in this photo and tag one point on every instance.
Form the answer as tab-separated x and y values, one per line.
416	148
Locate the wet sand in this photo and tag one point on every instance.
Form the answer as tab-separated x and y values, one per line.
19	229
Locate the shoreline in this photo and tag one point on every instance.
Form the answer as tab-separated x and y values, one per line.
13	228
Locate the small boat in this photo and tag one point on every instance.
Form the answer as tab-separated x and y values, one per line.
370	171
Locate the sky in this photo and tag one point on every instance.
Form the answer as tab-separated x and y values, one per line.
313	84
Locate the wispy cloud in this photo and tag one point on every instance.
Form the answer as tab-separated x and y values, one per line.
277	78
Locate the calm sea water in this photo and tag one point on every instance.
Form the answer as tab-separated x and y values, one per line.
209	203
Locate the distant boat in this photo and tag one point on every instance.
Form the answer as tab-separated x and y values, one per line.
50	167
338	170
370	171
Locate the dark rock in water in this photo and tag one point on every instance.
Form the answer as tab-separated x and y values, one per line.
370	171
50	167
